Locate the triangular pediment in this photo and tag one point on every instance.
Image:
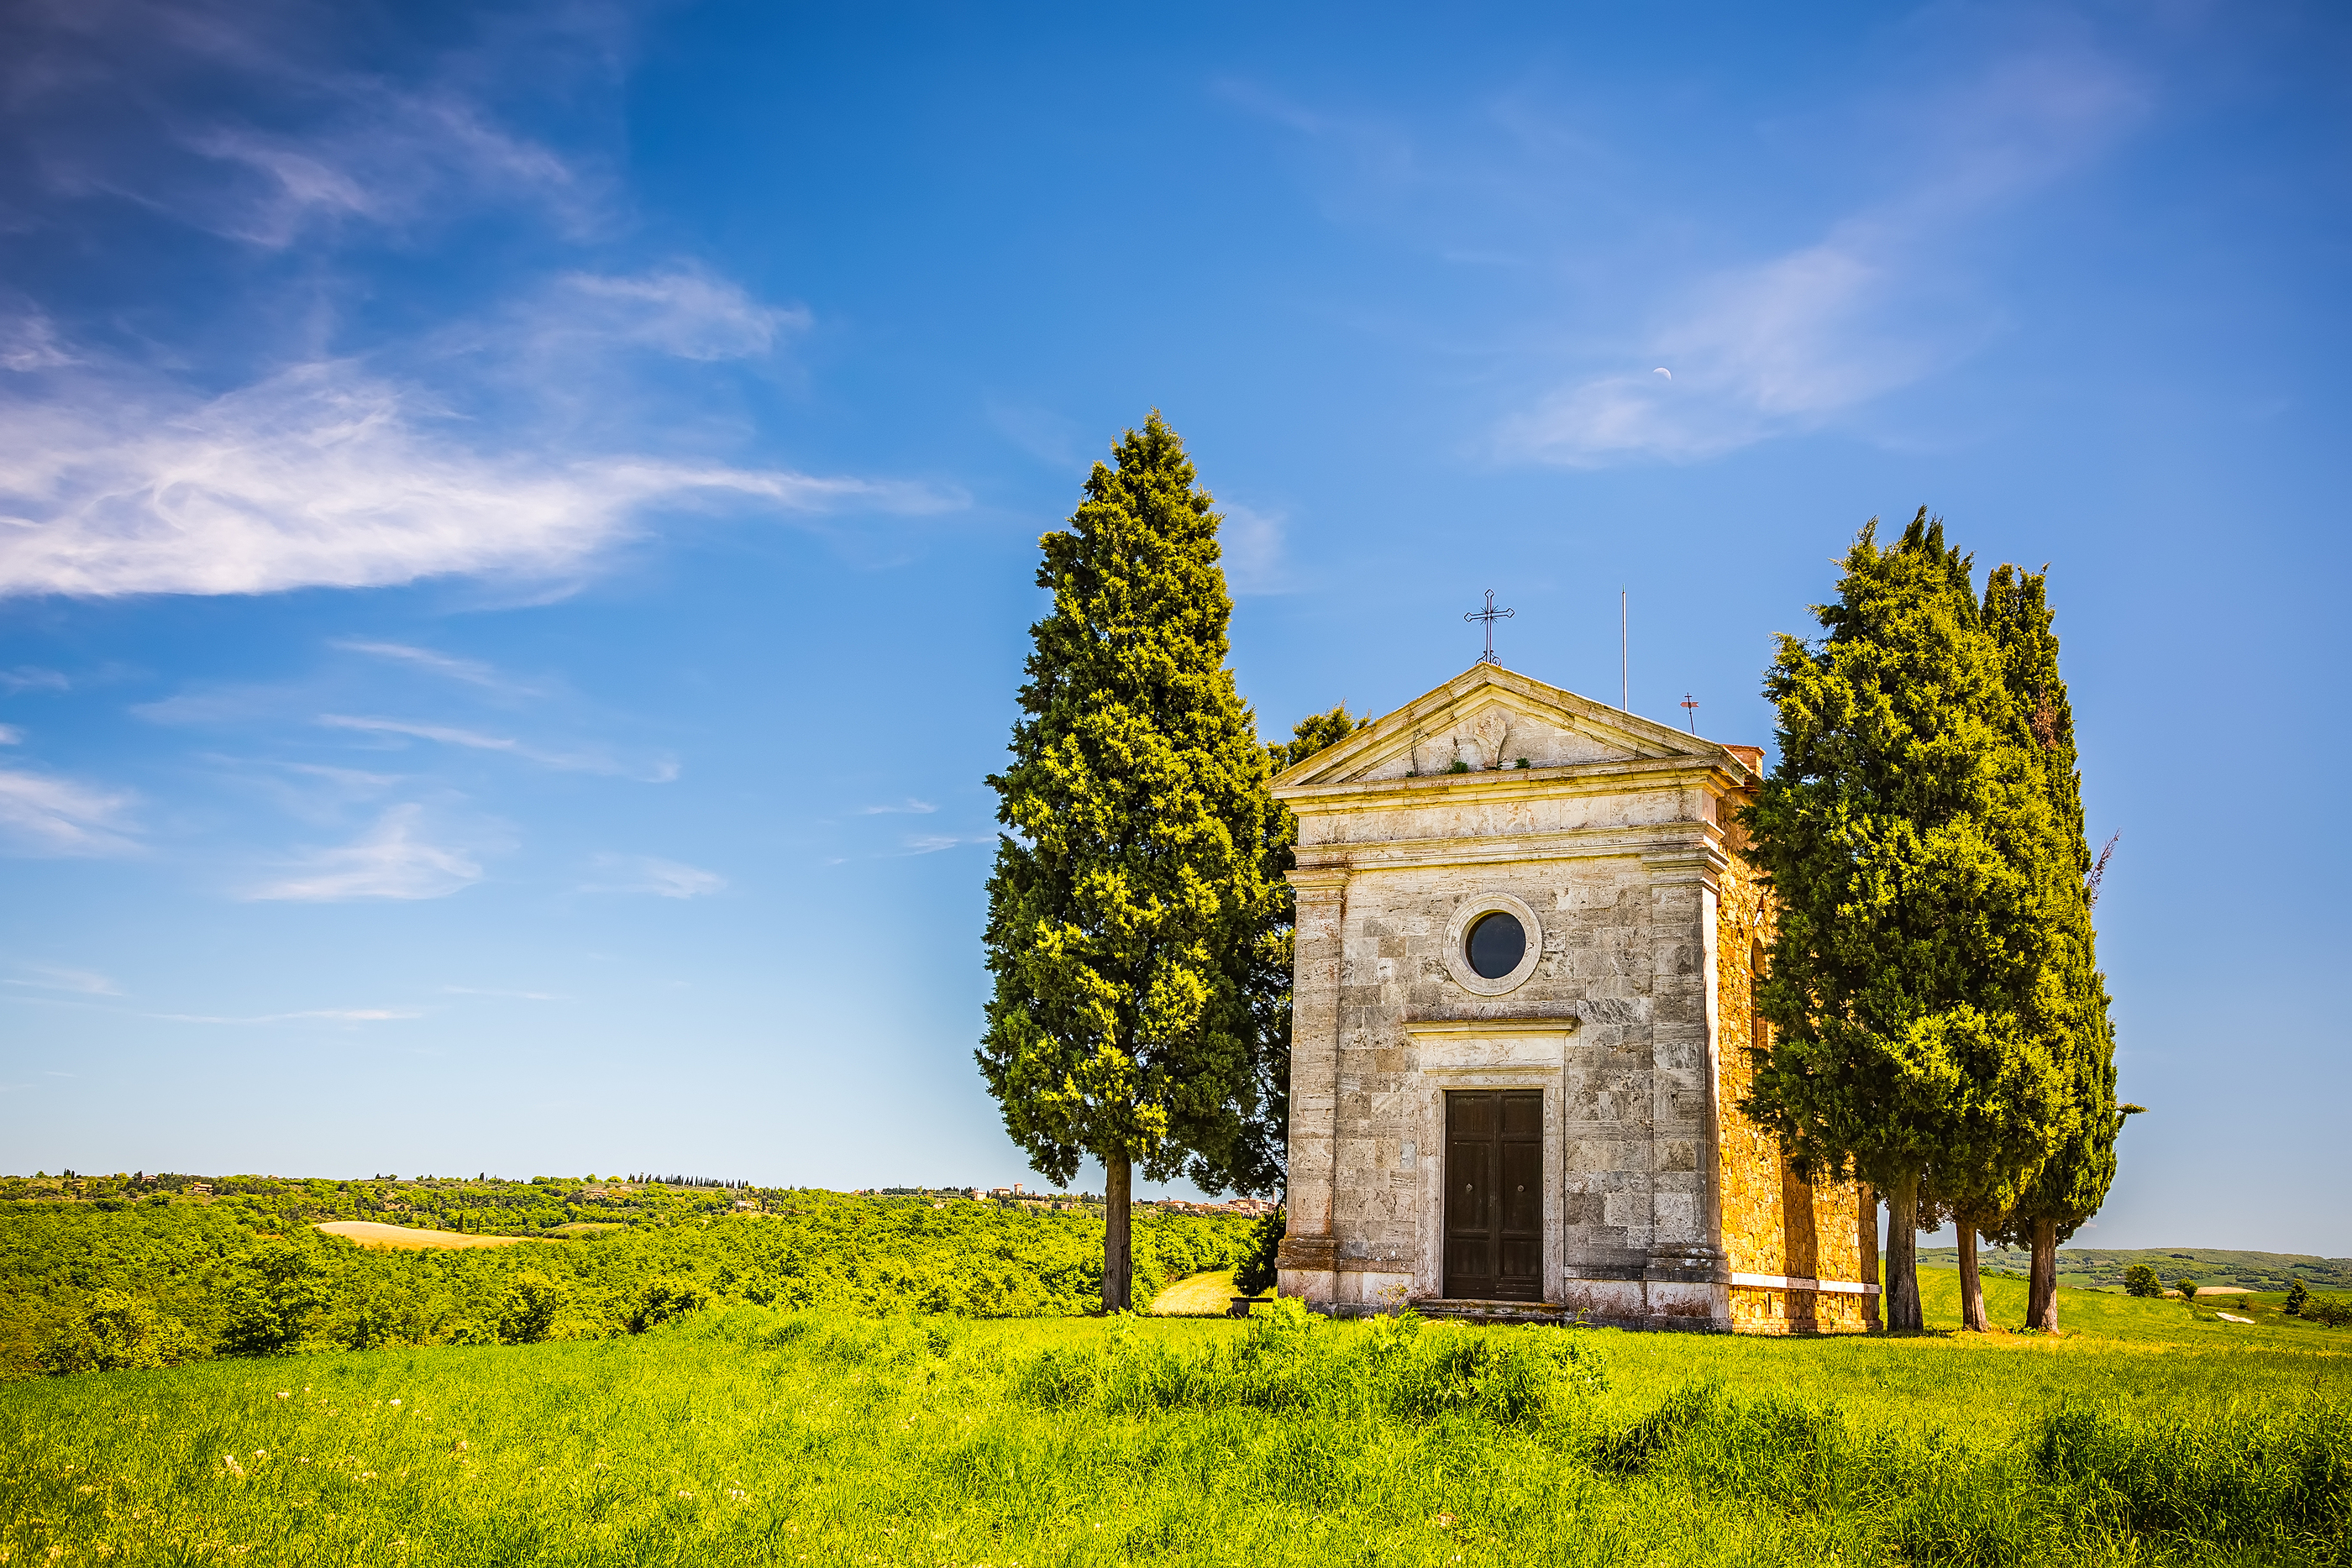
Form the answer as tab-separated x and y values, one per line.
1488	716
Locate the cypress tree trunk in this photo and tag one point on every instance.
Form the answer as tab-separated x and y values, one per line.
1972	1312
1118	1219
1903	1314
2042	1297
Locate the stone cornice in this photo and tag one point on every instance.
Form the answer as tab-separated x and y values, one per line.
1509	784
1486	1028
1701	863
1668	843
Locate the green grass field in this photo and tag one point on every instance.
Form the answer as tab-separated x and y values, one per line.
2144	1435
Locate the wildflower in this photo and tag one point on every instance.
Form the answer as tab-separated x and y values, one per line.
260	1453
686	1494
396	1404
732	1493
283	1395
233	1467
1444	1522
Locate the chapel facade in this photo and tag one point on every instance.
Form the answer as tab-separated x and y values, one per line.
1527	935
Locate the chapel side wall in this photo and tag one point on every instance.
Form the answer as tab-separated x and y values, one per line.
1773	1222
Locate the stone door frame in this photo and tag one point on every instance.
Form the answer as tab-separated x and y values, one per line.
1485	1053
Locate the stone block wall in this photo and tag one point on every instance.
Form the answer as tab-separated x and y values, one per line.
1774	1223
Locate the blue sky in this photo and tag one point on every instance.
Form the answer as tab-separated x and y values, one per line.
518	523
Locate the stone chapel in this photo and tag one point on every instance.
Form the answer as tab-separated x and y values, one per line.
1526	933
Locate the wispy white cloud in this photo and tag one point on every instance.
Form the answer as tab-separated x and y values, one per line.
388	158
391	860
1052	438
327	476
932	843
683	310
1791	341
304	131
44	815
909	807
495	991
473	672
32	678
58	978
29	342
337	1015
11	735
1251	540
649	873
660	772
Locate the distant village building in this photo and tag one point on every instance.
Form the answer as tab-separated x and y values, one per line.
1528	932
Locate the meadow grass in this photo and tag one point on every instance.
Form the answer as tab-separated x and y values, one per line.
2144	1436
1198	1296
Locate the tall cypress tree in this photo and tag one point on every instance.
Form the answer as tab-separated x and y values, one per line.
1133	921
2072	1184
1900	832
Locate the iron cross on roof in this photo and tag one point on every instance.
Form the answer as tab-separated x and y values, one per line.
1489	615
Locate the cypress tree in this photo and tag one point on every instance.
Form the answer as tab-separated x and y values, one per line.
1134	931
2070	1185
1900	832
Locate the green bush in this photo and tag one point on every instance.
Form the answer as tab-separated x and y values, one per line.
2186	1287
1257	1270
665	1299
534	1305
2329	1312
278	1291
115	1332
2297	1293
2139	1279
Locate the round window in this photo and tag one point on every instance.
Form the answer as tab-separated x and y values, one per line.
1495	944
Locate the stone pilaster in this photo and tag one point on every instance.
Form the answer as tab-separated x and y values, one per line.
1309	1254
1688	1278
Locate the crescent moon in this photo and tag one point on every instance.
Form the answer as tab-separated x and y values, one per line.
1661	371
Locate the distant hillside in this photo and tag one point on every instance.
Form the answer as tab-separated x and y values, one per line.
2097	1269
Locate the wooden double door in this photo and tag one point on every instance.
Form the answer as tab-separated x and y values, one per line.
1494	1194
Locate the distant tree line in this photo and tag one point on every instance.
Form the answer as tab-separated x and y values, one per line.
84	1287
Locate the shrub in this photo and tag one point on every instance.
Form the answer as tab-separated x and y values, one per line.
2329	1312
2297	1293
270	1308
665	1299
115	1332
2186	1287
2139	1279
534	1304
1257	1271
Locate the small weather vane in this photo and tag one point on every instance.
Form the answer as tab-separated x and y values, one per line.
1691	703
1489	615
